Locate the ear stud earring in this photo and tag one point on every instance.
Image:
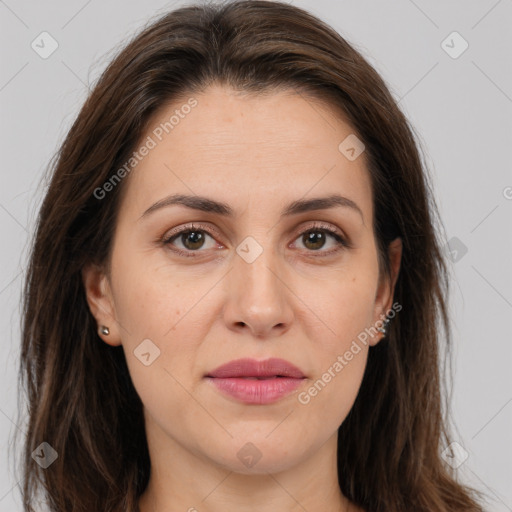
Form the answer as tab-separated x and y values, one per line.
105	330
384	327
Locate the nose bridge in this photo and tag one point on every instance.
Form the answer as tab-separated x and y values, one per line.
256	268
256	292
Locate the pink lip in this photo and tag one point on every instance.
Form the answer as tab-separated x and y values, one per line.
252	368
257	382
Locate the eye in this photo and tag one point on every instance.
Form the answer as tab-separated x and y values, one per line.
315	238
192	238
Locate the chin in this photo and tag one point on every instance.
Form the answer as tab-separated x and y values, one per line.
259	455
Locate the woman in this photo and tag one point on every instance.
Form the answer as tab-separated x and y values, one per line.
234	291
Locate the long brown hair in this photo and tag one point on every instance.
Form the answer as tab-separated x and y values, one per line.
79	393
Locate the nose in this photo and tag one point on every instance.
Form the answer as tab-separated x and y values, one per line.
258	298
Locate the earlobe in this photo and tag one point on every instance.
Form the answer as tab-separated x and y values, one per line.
100	301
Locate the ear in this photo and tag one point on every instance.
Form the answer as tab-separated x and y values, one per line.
100	300
386	289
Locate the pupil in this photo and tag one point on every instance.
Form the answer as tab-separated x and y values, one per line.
315	237
196	239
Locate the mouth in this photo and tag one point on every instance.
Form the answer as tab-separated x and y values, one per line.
256	382
254	369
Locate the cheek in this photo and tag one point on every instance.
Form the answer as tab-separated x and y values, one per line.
341	345
163	314
344	306
339	371
159	345
151	300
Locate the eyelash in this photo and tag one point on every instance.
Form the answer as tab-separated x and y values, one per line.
341	241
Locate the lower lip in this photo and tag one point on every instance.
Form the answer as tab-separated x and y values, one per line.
257	391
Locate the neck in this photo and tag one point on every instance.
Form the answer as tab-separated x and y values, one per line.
182	481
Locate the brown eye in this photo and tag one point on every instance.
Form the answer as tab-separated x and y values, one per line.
192	240
189	240
314	240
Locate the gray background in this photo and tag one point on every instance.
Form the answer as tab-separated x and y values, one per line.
460	107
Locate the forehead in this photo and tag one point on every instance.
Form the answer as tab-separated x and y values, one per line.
273	148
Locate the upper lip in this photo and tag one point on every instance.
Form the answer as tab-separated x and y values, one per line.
273	367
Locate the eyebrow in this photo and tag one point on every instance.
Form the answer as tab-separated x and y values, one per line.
205	204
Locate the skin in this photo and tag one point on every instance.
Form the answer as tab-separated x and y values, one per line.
257	154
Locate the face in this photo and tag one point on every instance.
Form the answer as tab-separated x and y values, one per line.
268	274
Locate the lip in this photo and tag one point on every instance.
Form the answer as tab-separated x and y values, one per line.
257	382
